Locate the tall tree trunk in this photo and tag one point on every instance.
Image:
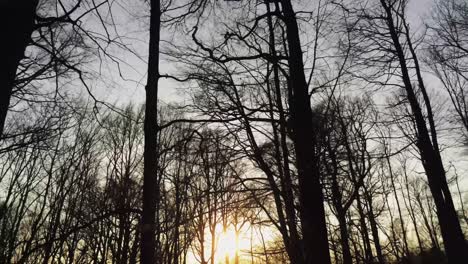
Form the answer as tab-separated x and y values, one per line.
340	213
397	200
410	208
373	224
17	21
430	215
281	147
392	227
344	237
150	183
355	244
134	251
454	241
369	257
428	226
312	209
462	207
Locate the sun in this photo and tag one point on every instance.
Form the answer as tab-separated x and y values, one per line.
233	244
228	245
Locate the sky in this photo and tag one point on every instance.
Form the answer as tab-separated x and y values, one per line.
116	90
133	27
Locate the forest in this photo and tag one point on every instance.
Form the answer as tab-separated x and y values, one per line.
234	131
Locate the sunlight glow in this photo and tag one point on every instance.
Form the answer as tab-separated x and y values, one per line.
227	246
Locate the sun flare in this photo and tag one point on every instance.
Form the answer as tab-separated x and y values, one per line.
228	245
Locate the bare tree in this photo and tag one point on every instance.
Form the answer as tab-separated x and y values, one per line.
150	186
386	30
448	52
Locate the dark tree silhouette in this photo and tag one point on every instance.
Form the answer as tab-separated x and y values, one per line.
22	15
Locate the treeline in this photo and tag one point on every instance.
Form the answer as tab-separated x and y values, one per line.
327	132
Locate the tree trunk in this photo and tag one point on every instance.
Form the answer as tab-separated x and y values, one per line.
150	186
341	216
430	230
397	200
410	208
454	241
344	238
17	20
374	227
369	257
312	209
392	227
281	147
